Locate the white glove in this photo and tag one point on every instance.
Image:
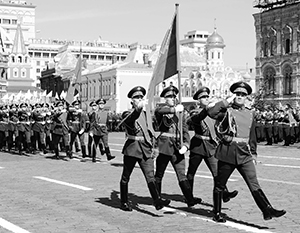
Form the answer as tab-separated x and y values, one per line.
210	105
141	104
179	108
81	131
183	150
91	134
231	98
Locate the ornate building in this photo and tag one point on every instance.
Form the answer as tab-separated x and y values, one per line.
277	50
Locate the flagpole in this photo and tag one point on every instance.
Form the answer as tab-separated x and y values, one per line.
179	71
80	84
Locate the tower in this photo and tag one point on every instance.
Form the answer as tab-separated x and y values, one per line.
215	51
19	65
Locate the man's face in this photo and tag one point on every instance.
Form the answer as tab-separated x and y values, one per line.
240	98
24	108
76	106
136	100
94	106
203	101
170	100
101	106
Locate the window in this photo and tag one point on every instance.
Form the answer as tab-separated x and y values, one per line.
38	70
14	21
6	21
287	46
15	72
265	49
53	55
23	73
269	76
86	56
101	57
287	83
219	55
93	57
108	58
45	55
38	63
36	54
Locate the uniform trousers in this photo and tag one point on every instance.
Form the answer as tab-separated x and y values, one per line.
247	170
195	161
73	137
178	162
146	165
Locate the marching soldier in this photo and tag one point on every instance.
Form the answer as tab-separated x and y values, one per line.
48	119
91	116
60	129
12	126
3	127
77	123
259	128
269	126
38	128
203	144
24	128
99	130
138	148
169	145
276	126
237	150
286	128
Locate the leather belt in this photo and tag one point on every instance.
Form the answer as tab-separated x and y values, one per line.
136	138
170	135
202	137
235	139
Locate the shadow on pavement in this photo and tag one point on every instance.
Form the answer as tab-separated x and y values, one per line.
114	201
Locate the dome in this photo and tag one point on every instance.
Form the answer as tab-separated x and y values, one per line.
215	40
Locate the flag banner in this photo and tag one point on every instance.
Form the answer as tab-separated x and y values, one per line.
75	81
49	94
165	67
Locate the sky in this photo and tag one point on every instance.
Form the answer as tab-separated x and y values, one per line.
146	22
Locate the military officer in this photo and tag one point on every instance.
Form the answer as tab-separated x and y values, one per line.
203	143
77	124
269	125
24	128
38	128
59	128
91	116
12	126
99	130
237	149
169	145
3	126
138	148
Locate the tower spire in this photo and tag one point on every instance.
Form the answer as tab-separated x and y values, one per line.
19	43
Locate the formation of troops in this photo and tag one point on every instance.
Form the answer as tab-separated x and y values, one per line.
44	128
278	124
225	138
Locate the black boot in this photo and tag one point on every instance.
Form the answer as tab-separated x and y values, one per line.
264	205
125	205
108	154
228	195
102	151
93	154
197	200
166	202
187	192
158	202
56	151
217	199
83	149
45	151
69	152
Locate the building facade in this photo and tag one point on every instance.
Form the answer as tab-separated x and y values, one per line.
278	50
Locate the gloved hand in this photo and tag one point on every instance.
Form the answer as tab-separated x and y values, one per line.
141	104
183	150
231	98
179	108
81	131
154	153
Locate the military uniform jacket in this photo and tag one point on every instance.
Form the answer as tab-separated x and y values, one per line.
167	121
139	141
24	121
39	121
203	126
98	126
12	120
235	123
76	121
59	123
3	121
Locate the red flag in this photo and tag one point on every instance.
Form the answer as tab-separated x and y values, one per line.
165	67
74	82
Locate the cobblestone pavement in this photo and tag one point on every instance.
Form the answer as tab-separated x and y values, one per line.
41	195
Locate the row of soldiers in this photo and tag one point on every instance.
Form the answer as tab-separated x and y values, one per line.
28	129
278	125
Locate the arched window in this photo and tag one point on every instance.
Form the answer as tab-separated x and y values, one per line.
265	49
287	80
269	76
287	39
273	41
